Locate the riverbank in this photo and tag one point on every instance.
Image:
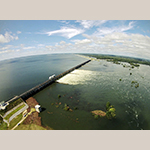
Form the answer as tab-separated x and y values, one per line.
31	121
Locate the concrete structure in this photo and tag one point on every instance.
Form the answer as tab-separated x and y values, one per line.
51	77
3	105
38	108
43	85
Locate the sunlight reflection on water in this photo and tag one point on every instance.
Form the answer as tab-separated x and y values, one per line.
78	77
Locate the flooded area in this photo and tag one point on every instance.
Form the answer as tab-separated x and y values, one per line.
83	90
89	88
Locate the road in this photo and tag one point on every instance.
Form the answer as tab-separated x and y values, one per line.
23	118
18	112
8	112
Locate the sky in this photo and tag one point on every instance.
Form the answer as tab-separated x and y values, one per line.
20	38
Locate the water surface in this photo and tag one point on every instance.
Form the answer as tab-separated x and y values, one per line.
87	88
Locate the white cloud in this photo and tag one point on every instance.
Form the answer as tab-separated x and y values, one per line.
18	32
90	23
66	32
29	47
62	42
84	41
135	45
5	48
128	44
28	32
41	45
113	40
63	21
106	30
7	37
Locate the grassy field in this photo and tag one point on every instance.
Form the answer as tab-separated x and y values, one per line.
11	105
29	127
3	126
15	121
13	112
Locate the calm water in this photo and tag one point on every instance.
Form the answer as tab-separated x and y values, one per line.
88	88
21	74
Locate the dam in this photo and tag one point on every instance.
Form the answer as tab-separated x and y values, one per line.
43	85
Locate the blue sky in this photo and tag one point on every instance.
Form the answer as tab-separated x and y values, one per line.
33	37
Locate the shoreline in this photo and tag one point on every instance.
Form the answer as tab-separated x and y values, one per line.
31	121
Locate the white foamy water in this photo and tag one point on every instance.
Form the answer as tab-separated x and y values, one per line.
78	77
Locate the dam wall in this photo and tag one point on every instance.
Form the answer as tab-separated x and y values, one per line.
43	85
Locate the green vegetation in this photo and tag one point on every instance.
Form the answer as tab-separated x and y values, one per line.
110	111
57	106
75	108
135	83
120	79
1	119
59	96
116	62
96	116
14	111
136	65
15	121
3	126
116	59
108	105
132	67
66	107
11	105
30	127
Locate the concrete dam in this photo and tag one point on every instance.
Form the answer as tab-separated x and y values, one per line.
43	85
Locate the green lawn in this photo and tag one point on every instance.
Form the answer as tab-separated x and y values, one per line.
3	126
11	105
13	112
15	121
29	127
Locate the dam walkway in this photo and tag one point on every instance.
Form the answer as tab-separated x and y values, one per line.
43	85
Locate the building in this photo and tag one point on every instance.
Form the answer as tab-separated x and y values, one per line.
3	105
38	108
51	77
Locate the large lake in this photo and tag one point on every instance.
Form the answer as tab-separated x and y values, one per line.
87	88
